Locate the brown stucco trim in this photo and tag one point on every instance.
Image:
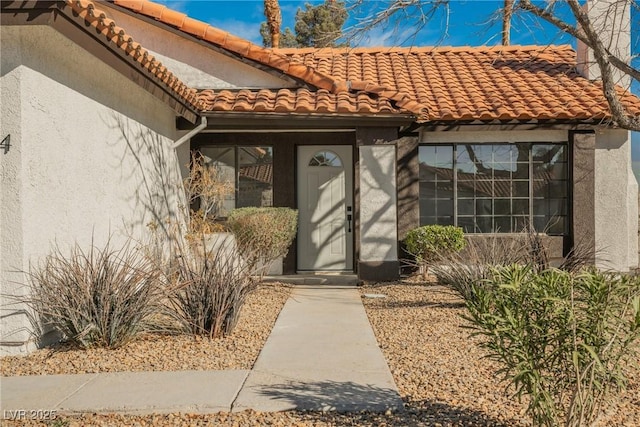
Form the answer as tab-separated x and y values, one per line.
283	122
379	271
583	222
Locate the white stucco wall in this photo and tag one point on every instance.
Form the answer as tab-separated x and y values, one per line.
616	202
91	157
12	327
196	65
378	207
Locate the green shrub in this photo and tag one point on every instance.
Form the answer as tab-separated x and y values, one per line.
263	234
102	297
431	242
562	339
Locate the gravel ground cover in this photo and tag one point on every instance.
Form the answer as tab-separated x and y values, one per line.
155	352
439	371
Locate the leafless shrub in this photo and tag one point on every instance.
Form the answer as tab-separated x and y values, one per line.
207	186
103	297
463	270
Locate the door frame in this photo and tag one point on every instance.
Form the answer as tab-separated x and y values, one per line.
350	200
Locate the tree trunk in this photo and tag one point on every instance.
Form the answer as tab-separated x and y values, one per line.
506	22
274	21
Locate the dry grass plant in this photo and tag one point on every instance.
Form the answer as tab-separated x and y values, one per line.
209	285
461	271
102	297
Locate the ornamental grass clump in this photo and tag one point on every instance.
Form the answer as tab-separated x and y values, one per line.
461	271
562	339
433	242
101	297
263	234
209	287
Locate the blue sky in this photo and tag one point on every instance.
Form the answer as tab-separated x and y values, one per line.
466	22
463	22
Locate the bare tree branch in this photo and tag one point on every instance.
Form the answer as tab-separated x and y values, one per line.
585	32
419	12
573	31
618	111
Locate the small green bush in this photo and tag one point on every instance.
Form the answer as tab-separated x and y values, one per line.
562	339
431	242
263	234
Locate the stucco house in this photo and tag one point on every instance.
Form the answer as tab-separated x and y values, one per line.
102	103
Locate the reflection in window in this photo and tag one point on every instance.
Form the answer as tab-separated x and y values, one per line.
325	158
250	169
488	188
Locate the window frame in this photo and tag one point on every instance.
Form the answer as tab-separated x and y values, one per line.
236	168
456	144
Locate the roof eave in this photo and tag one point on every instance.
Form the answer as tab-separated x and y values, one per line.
271	121
521	124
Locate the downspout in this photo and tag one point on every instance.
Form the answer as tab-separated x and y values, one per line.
192	133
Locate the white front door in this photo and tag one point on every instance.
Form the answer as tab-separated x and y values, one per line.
325	204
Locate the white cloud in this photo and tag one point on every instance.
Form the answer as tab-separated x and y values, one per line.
246	30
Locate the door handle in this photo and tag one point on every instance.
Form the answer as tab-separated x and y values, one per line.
349	216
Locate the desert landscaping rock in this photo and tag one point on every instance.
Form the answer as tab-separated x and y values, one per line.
155	352
439	370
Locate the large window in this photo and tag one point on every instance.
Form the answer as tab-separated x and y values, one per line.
495	188
250	169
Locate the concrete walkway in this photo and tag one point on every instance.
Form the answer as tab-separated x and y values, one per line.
321	355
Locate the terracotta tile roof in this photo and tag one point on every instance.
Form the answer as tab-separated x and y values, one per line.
230	42
464	83
275	59
118	38
432	84
262	173
299	101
